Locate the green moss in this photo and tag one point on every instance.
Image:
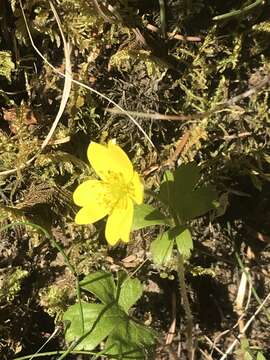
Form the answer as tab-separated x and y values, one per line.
262	27
201	271
11	284
6	64
56	298
124	60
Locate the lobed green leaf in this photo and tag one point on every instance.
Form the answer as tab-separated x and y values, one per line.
130	292
101	284
161	248
179	191
184	242
99	321
129	340
146	215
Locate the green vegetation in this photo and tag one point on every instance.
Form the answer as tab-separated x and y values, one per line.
183	88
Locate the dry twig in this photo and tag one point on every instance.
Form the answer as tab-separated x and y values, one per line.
172	328
248	323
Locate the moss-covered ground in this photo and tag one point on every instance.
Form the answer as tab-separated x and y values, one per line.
195	76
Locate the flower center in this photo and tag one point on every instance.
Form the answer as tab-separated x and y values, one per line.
118	189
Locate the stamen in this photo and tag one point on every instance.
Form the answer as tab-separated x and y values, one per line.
118	189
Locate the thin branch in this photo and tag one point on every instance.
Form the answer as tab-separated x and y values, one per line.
219	108
176	36
153	116
172	328
238	12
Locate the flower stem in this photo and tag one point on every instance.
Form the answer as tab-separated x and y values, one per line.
51	353
186	305
238	12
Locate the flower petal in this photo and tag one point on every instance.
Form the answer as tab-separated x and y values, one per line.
90	192
111	158
90	214
119	222
137	188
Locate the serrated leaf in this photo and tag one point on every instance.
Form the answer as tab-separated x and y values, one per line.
146	215
140	335
161	248
197	203
130	292
101	284
179	192
186	176
168	176
184	242
129	340
99	321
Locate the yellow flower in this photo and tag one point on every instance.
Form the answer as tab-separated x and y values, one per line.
114	195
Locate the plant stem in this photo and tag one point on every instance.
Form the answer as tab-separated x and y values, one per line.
186	305
163	17
63	352
51	353
238	12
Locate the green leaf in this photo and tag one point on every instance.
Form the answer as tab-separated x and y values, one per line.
140	334
245	355
161	248
101	284
109	320
197	203
186	176
179	191
130	292
129	340
99	321
244	344
184	242
260	356
146	215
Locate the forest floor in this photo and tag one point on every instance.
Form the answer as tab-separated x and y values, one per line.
187	83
